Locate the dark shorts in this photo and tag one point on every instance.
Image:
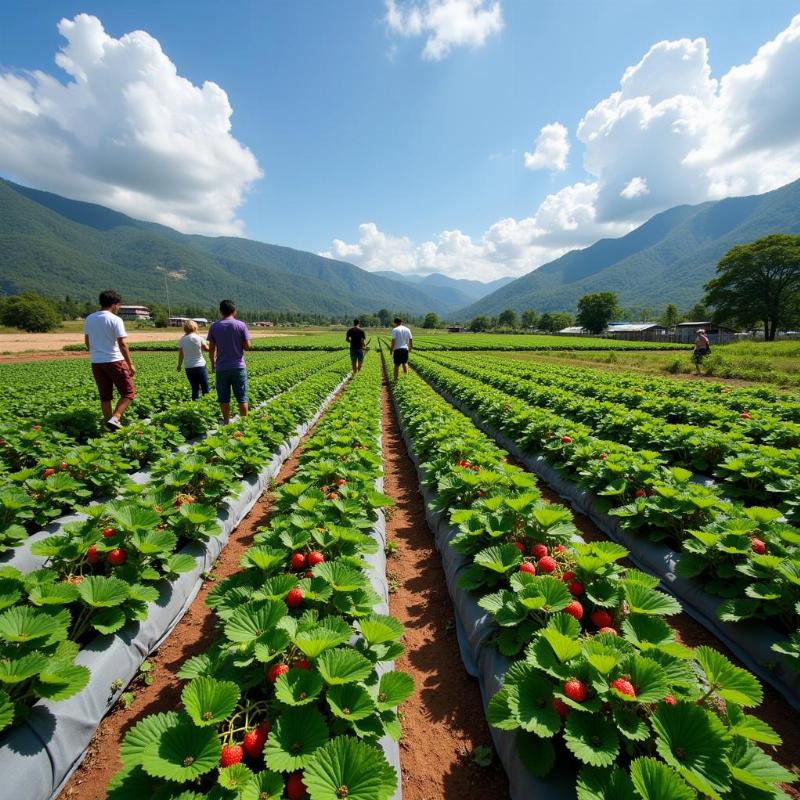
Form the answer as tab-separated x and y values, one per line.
400	356
114	373
357	355
232	379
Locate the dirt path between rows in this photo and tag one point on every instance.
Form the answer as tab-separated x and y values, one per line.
443	721
192	635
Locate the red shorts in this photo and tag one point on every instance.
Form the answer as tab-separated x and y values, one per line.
115	373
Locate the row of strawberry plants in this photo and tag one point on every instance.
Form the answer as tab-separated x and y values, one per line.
103	571
747	556
697	447
689	397
293	699
26	384
599	686
737	411
58	479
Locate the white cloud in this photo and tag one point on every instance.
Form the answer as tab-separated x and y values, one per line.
670	134
552	149
126	131
445	23
635	187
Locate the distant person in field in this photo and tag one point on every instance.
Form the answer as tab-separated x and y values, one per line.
400	346
190	355
358	345
228	338
702	347
105	337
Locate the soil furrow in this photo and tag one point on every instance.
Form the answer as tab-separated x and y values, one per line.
443	721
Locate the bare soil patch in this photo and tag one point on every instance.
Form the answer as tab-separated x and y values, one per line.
443	721
11	343
192	635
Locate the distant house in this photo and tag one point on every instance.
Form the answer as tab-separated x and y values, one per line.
135	313
573	330
455	329
263	324
635	330
201	321
717	334
177	322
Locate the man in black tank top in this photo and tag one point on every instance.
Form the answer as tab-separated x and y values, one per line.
358	343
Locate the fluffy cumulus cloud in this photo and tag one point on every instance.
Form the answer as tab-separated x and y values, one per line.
127	131
671	133
552	149
446	24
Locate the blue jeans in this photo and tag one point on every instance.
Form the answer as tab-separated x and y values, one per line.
198	380
232	379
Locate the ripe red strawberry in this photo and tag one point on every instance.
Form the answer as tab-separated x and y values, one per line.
575	588
308	574
759	547
612	631
560	548
302	663
566	439
298	561
539	550
341	482
63	466
624	686
562	709
567	576
745	415
670	700
275	671
325	489
575	690
294	597
117	557
92	555
253	742
108	532
332	495
49	472
237	434
641	493
519	546
527	566
295	788
574	609
232	754
36	427
314	558
600	618
603	456
547	564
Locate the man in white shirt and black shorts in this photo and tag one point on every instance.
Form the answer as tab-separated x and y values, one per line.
105	335
401	345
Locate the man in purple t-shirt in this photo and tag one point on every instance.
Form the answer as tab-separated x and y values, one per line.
228	338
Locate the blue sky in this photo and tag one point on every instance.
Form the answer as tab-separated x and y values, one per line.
351	125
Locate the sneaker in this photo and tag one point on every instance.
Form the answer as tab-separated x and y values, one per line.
113	424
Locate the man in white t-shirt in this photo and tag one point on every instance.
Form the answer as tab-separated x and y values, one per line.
401	345
105	335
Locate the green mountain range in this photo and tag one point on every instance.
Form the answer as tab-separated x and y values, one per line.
665	260
60	247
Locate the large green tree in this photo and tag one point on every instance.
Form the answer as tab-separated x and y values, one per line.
758	282
431	320
479	324
507	318
31	312
554	321
596	310
671	316
529	318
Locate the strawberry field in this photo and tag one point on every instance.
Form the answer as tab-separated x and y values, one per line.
621	555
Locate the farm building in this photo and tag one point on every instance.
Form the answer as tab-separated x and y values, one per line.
635	330
717	334
573	330
135	313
